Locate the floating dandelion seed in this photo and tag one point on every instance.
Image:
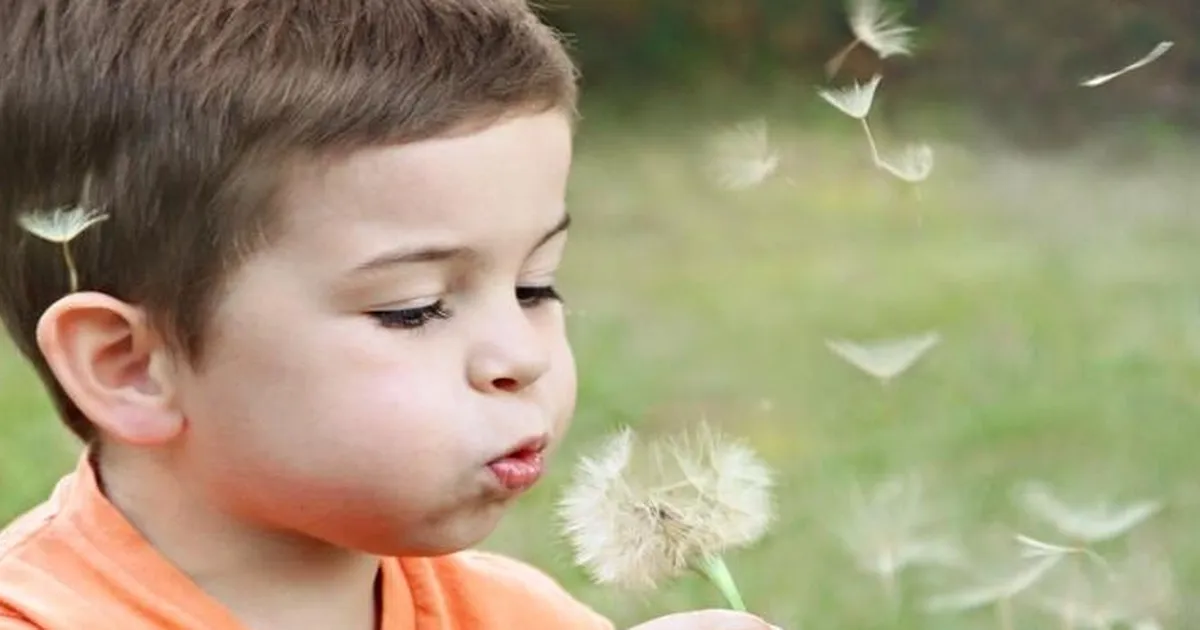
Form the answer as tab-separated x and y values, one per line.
742	157
1159	50
1090	525
891	529
997	593
855	101
699	497
913	165
885	359
873	25
1143	587
1034	548
61	226
1086	598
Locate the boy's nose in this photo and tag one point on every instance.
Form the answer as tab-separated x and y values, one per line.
512	358
507	372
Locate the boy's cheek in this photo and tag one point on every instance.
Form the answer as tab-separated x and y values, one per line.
567	378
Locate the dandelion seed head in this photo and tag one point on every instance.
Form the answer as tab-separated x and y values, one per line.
855	100
734	486
880	29
741	157
60	225
637	514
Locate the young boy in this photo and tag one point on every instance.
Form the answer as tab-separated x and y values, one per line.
315	348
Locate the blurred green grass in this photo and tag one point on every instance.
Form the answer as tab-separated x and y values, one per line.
1064	288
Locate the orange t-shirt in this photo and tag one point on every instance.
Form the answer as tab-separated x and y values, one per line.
75	562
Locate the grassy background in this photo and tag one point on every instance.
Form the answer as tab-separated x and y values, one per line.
1064	288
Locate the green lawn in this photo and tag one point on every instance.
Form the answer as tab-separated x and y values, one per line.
1065	290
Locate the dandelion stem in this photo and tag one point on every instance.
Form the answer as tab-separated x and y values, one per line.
716	571
70	260
833	65
871	141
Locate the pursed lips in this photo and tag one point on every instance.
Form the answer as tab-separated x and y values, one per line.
522	465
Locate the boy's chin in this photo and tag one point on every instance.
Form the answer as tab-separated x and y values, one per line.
443	538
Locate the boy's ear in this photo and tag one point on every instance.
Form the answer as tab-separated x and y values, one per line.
114	367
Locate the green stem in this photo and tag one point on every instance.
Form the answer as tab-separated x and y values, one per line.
716	571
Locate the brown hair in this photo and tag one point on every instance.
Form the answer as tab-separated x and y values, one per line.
178	118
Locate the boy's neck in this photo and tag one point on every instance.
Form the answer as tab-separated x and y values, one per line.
267	579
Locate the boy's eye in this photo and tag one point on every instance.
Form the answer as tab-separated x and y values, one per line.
419	316
530	297
409	318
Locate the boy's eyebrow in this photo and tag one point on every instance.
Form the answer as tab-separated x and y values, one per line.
435	254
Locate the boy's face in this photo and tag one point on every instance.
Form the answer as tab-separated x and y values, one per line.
367	370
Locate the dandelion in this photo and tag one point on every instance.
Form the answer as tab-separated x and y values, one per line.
873	25
690	502
913	165
885	359
1159	50
61	226
1088	524
891	529
742	157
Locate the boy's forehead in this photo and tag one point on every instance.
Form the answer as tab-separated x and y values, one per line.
509	177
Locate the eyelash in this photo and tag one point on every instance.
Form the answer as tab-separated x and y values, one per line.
530	297
411	318
419	317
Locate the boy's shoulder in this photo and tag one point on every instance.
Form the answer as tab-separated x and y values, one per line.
484	589
22	543
33	533
34	552
27	527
